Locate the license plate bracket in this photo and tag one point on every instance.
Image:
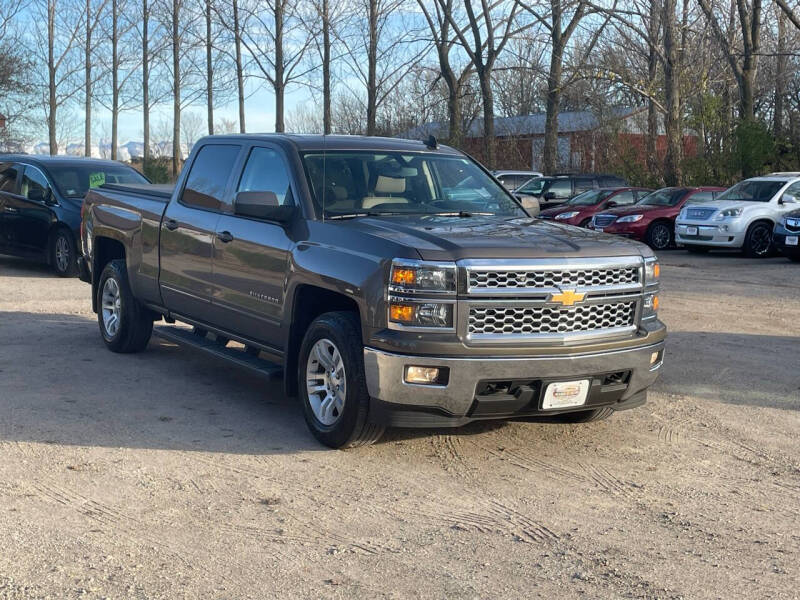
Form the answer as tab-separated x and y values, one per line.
565	394
792	240
691	231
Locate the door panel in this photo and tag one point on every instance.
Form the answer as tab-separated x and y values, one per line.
9	187
250	268
27	216
187	232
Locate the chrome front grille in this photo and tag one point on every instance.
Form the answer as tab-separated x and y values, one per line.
544	320
604	220
700	214
479	279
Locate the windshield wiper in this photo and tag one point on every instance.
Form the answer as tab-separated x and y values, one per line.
462	214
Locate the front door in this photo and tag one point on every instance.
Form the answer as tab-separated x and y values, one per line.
250	256
28	216
187	232
9	189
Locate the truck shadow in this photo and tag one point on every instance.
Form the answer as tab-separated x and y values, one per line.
12	266
59	384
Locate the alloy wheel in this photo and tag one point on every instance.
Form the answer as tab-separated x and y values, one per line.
760	240
111	305
62	253
326	382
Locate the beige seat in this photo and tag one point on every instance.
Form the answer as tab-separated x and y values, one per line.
385	188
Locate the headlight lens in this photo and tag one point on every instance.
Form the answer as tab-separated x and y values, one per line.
727	214
630	219
419	276
650	308
421	314
652	271
566	215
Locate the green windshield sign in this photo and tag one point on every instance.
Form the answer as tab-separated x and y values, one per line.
96	179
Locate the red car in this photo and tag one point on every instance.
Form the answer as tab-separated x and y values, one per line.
652	220
580	209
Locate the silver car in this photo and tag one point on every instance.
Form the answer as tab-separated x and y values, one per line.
742	217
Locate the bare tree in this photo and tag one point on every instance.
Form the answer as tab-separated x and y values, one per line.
787	10
93	15
191	129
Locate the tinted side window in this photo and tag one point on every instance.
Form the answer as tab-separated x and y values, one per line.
624	198
265	171
34	184
562	188
582	184
9	178
702	197
793	191
205	185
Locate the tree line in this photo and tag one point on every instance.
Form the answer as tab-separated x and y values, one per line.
724	70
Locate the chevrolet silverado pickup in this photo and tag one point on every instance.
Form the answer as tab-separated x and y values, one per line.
388	282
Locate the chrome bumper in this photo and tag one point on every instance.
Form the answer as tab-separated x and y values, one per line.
385	375
710	235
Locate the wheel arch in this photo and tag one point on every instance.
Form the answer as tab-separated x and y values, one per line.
309	302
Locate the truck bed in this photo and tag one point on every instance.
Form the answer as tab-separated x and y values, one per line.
161	191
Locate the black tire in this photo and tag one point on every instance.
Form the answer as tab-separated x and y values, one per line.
585	223
698	249
352	427
659	235
585	416
758	241
794	256
135	322
63	253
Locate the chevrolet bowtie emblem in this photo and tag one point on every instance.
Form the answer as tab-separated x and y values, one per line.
567	297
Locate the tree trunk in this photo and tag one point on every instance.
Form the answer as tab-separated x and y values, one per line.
654	26
326	68
52	106
209	71
87	58
114	78
145	82
372	69
237	38
489	141
280	84
672	121
454	115
780	77
176	90
550	154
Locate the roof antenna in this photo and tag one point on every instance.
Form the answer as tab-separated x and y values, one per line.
431	142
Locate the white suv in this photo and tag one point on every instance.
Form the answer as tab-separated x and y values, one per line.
742	217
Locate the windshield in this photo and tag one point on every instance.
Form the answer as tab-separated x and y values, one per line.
752	191
347	184
534	186
590	198
665	197
74	181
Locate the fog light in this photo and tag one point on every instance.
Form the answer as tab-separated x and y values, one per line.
655	357
423	375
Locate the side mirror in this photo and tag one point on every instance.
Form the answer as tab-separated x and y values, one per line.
611	204
549	195
262	205
39	195
787	199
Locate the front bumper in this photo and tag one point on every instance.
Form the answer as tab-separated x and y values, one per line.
463	398
779	239
720	234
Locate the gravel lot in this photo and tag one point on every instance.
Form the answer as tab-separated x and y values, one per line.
171	475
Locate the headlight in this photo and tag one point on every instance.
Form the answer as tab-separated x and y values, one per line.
407	313
630	219
650	308
652	271
416	276
727	214
566	215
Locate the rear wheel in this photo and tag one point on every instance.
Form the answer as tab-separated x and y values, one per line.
659	236
585	416
758	241
332	384
64	253
125	324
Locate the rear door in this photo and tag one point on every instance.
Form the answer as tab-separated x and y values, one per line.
29	215
251	255
188	229
583	184
9	188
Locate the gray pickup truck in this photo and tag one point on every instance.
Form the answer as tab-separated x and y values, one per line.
388	282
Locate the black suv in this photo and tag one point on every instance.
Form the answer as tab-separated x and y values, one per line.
40	204
552	190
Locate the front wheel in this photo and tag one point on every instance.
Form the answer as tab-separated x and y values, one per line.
659	236
64	254
125	324
332	384
758	241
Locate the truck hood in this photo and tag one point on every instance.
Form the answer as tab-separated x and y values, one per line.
725	204
455	238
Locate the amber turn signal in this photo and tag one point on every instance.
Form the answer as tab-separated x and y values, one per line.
403	313
402	276
655	302
656	271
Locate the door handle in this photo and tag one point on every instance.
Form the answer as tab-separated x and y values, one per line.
171	224
225	237
11	209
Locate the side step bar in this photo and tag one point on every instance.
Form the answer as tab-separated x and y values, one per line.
241	358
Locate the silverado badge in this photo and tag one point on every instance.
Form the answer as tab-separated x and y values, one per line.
567	297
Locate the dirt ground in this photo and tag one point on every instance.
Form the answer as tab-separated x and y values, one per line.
171	475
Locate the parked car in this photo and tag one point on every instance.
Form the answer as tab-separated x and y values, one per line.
40	204
511	180
652	219
580	209
787	234
553	190
743	217
391	283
